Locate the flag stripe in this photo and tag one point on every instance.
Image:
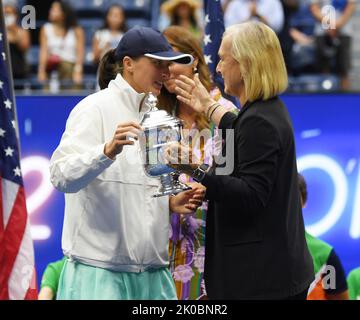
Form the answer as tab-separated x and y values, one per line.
10	190
13	235
31	294
22	276
2	223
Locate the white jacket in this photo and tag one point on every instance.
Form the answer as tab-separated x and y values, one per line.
111	221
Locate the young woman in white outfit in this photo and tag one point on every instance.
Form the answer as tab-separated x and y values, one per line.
115	233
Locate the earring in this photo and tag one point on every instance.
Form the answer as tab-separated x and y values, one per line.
195	70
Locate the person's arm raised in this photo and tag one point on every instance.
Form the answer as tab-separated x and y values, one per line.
194	94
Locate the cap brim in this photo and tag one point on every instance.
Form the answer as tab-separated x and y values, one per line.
182	58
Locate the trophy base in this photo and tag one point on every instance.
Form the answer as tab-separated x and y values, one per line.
170	185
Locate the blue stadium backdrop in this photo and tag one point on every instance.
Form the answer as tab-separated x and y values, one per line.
328	147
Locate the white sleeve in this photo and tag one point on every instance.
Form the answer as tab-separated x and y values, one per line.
236	12
274	14
80	157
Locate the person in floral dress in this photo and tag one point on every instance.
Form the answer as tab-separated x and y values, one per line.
187	232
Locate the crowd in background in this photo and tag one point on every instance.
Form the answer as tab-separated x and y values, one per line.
64	50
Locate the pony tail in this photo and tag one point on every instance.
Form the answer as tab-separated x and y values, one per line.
108	69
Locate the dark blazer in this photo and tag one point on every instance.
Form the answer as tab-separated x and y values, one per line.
255	236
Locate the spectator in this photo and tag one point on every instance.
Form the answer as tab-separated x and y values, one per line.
183	13
323	256
286	41
302	57
109	36
50	280
269	12
62	45
334	42
302	52
354	284
19	41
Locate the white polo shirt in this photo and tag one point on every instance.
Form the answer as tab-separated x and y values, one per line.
238	11
111	221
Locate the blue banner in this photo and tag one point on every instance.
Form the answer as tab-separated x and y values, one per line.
327	136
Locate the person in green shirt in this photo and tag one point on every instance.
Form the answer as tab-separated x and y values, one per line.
50	280
353	281
324	257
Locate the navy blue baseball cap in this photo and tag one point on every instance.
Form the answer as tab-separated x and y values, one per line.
144	41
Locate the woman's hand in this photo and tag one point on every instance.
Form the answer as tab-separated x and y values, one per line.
253	9
42	76
193	93
181	158
77	77
188	201
123	136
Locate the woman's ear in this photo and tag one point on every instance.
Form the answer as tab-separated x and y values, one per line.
195	65
128	64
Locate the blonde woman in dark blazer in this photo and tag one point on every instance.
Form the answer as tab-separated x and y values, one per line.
255	244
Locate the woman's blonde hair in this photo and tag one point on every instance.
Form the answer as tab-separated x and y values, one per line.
257	49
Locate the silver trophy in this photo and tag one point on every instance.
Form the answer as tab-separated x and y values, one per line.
160	129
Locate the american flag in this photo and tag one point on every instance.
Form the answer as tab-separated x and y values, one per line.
214	29
17	272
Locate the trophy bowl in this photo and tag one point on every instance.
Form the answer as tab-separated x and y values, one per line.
160	130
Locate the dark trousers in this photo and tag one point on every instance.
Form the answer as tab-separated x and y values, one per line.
300	296
336	50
